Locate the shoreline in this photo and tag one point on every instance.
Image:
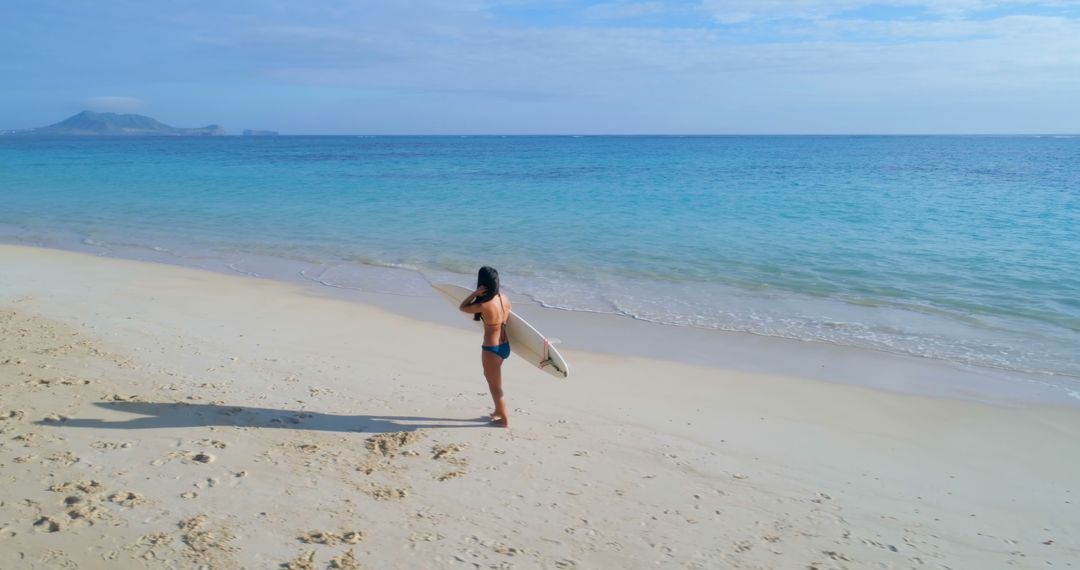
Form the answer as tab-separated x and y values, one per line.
623	335
841	243
164	416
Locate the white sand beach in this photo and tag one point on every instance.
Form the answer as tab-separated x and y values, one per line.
154	416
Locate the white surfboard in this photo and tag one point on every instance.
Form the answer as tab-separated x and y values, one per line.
525	341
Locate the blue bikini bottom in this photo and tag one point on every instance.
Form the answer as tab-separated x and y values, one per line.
503	350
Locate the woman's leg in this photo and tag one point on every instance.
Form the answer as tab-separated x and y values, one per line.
493	373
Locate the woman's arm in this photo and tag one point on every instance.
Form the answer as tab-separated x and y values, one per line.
466	306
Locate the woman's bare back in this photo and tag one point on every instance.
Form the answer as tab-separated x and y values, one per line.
495	314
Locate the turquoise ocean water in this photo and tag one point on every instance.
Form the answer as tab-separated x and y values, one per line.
965	249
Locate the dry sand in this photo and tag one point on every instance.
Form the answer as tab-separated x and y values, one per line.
161	417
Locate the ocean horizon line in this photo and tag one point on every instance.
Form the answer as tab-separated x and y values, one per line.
15	132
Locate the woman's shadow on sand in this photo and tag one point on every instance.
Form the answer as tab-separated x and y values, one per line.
184	415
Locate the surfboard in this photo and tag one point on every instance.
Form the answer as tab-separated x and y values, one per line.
525	341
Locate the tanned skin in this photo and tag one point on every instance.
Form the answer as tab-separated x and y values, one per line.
493	314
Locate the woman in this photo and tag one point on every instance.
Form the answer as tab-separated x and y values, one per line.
487	304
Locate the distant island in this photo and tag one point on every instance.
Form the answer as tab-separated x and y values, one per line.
89	123
258	133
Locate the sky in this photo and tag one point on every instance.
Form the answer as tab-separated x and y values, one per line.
549	67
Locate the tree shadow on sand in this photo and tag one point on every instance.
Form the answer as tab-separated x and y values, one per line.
183	415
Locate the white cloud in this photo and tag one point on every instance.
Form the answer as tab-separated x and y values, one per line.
437	70
112	103
741	11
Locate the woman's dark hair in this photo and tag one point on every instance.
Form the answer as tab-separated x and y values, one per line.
489	278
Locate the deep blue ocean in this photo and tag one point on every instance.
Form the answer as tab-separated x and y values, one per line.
964	249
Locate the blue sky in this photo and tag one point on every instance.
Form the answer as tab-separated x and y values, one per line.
555	66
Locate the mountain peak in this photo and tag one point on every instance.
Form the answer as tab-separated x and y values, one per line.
91	123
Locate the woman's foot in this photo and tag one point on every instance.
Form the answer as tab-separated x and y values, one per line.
498	419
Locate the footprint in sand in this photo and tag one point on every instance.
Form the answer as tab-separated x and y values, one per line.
148	542
206	544
331	538
202	457
308	447
386	446
448	452
28	439
390	444
87	513
65	458
450	475
12	415
388	493
426	537
119	398
305	561
836	555
87	487
46	524
126	498
110	445
346	561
